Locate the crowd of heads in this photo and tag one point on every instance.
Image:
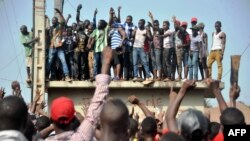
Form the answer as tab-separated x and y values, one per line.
85	51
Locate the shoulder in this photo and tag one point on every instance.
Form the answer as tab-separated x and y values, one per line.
223	34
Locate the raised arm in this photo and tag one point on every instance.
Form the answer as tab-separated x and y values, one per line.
148	33
2	93
111	14
94	18
79	7
34	103
61	18
134	100
172	97
123	34
151	17
234	94
172	110
214	85
67	20
119	14
87	128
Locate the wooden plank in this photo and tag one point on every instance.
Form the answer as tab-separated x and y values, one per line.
235	65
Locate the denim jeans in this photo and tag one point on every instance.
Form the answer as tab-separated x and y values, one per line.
140	53
158	58
185	57
60	53
193	65
97	63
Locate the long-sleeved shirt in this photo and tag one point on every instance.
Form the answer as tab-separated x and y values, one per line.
85	132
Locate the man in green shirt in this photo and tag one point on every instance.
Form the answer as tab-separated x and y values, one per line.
99	39
27	40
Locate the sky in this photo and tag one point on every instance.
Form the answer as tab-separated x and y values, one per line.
234	15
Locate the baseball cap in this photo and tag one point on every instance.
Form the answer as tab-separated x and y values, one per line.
192	120
62	110
178	22
201	25
195	27
194	19
184	24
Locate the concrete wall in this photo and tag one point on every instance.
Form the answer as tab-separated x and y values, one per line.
154	96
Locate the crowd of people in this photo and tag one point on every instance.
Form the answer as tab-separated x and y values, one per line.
86	51
143	51
108	119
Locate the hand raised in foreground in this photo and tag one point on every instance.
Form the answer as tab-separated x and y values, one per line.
234	91
2	93
133	99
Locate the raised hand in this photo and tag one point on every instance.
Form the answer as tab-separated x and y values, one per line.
188	84
119	8
79	7
69	16
150	14
133	99
214	85
38	95
234	91
42	105
174	18
57	10
2	93
96	11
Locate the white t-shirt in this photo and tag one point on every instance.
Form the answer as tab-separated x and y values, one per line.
140	37
194	43
168	41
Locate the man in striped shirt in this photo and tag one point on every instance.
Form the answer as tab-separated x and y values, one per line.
117	36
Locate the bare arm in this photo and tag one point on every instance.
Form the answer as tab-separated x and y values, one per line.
223	38
34	103
172	110
123	34
134	100
234	94
215	87
149	34
119	14
111	13
79	7
165	35
61	18
67	20
151	17
32	41
2	93
172	97
45	132
94	18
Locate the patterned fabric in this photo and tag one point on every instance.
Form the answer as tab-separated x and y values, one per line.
128	30
86	130
100	37
116	38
